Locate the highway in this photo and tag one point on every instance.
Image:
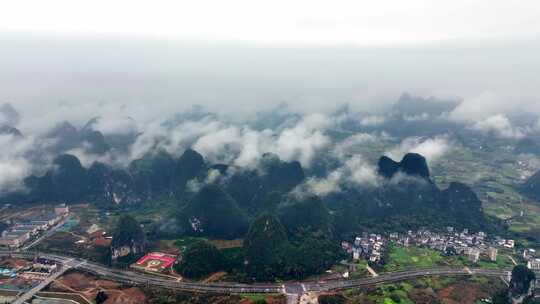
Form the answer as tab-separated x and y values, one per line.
32	292
144	279
400	276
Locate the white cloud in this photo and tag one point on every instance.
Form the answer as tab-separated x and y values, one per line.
500	126
372	120
117	125
324	186
87	159
156	136
302	141
224	142
421	117
360	172
243	146
431	148
302	21
480	107
212	177
350	144
14	162
355	172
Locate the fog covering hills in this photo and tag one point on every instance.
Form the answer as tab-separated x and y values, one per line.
271	162
286	182
223	173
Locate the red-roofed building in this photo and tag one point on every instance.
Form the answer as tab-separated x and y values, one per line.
101	241
155	262
97	234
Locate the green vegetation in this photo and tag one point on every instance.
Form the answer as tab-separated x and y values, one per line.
128	232
184	243
255	297
332	299
3	227
199	260
154	191
427	290
213	213
400	258
265	248
521	280
392	294
502	262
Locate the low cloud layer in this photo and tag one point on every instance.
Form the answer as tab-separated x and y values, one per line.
431	148
499	126
135	88
354	172
15	161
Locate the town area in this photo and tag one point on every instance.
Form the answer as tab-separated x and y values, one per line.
374	248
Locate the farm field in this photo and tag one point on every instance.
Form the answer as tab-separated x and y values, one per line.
402	258
427	290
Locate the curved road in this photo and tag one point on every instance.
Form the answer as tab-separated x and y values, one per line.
136	278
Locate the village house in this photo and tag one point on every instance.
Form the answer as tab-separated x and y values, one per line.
61	210
492	253
13	239
534	264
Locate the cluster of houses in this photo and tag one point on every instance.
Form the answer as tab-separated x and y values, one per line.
38	269
18	234
451	242
533	261
371	247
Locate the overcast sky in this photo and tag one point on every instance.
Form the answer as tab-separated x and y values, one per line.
302	21
73	59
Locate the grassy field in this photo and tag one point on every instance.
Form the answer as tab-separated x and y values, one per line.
254	297
184	243
495	175
401	258
427	290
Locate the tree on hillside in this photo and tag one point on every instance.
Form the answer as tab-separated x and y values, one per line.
213	213
520	284
200	260
265	245
304	216
101	297
69	178
128	238
331	299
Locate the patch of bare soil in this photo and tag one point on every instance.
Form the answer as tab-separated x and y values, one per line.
225	244
13	263
89	286
424	296
125	296
461	293
215	277
166	246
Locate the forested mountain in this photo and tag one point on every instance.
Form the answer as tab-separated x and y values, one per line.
408	199
265	247
66	137
213	213
531	187
289	229
405	198
413	164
